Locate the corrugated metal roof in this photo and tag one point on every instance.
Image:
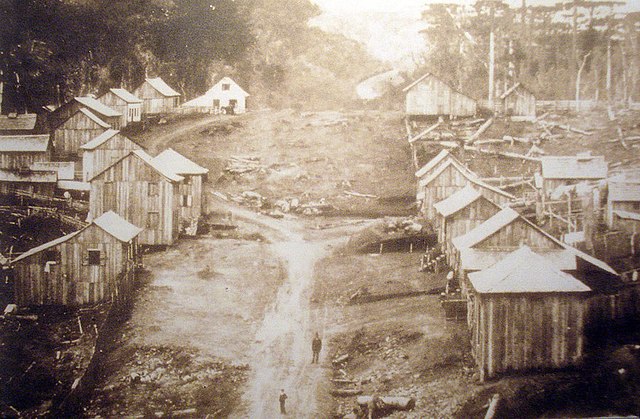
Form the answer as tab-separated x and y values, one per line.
22	122
165	171
117	226
24	143
45	246
477	259
162	87
574	167
125	95
627	215
505	217
28	177
100	139
524	271
178	163
624	192
457	201
96	106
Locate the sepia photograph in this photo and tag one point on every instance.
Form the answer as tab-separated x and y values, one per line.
330	209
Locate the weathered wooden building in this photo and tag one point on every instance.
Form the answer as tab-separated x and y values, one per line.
157	96
622	197
122	101
98	109
225	93
190	190
526	314
460	213
430	96
80	128
88	266
141	191
103	151
626	221
22	124
445	175
20	152
560	171
518	101
29	182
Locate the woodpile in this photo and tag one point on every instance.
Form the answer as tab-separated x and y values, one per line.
243	164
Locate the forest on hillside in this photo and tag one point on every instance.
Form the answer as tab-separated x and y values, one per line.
52	50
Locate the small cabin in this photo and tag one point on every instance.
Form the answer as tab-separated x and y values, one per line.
190	190
22	124
526	314
519	102
460	213
157	96
225	94
91	265
122	101
20	152
429	96
101	111
560	171
103	151
445	175
623	200
142	192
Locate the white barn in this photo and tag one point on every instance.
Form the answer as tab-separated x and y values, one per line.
224	93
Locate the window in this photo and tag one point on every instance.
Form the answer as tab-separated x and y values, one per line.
52	256
226	86
186	200
153	189
94	256
153	219
216	103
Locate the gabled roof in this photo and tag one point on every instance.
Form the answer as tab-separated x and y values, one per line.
624	192
125	95
24	143
627	215
418	80
524	271
469	175
472	259
513	89
100	139
229	80
581	166
93	117
458	201
178	163
20	122
142	155
162	87
117	226
47	245
434	162
505	217
96	106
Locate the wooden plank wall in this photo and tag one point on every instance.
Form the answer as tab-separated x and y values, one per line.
76	131
94	161
464	221
14	161
514	235
153	101
191	186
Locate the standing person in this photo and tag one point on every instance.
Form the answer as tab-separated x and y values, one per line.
283	399
316	345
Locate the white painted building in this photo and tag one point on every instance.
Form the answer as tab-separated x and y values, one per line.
224	93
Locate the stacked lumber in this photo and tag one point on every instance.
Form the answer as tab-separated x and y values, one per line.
243	164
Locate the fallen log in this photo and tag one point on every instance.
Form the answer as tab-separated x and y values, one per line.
502	153
467	123
493	407
423	133
621	137
480	131
388	402
360	195
489	141
343	381
345	392
340	359
543	116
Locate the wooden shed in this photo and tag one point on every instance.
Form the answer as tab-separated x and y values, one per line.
103	151
77	130
460	213
20	152
122	101
570	170
527	315
622	197
190	190
22	124
98	109
224	93
142	192
445	175
28	182
518	101
89	266
157	96
430	96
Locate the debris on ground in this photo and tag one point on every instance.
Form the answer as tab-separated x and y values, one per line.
244	164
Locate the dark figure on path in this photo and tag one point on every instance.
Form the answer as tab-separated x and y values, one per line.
283	399
316	345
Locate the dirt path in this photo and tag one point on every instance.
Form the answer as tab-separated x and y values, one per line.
159	139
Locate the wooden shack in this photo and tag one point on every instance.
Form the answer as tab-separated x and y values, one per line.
122	101
445	175
28	182
98	109
622	198
143	193
518	101
224	94
527	315
79	129
103	151
460	213
430	96
20	152
88	266
157	96
190	190
22	124
560	171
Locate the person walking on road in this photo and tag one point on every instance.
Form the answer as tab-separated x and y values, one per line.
316	345
283	399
